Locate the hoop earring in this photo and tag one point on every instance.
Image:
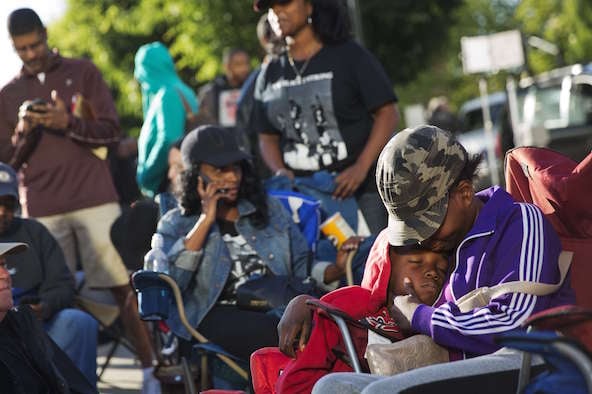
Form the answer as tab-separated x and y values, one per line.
309	20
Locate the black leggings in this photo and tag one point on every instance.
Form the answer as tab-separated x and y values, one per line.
238	331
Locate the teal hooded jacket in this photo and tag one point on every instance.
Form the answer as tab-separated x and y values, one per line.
164	113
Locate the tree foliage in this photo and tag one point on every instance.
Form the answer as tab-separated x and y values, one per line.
444	75
565	23
404	35
418	42
110	31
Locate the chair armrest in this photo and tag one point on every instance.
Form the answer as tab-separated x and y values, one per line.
331	311
559	317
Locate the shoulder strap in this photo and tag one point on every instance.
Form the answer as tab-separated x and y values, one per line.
483	295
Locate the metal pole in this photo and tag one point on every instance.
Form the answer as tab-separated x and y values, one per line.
513	107
488	127
356	18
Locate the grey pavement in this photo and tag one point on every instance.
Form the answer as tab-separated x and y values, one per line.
124	374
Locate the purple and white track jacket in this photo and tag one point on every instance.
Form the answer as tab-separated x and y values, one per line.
509	241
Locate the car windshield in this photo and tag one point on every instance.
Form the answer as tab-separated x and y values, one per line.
555	106
473	120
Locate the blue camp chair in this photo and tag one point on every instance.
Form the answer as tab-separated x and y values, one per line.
569	365
306	213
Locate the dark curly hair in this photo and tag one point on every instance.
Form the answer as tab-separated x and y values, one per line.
251	189
330	21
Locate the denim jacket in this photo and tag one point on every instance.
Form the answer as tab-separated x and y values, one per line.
202	275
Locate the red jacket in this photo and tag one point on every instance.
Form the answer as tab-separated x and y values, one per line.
368	300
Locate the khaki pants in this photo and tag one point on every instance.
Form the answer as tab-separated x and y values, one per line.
87	231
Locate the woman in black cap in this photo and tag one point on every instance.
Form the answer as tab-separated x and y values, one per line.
225	233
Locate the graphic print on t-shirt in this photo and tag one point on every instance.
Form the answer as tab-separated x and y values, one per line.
302	109
246	265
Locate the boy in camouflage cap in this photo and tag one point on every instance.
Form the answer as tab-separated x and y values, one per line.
415	170
425	177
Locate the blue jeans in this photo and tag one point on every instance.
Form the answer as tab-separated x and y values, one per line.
75	332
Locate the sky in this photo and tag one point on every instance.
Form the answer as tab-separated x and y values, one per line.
48	11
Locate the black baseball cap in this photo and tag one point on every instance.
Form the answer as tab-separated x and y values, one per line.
213	145
262	5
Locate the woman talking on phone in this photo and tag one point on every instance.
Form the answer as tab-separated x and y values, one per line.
226	232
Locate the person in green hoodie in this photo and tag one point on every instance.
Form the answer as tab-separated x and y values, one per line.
168	105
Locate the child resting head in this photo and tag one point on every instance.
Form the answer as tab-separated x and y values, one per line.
417	272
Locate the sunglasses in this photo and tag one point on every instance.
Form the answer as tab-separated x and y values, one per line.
262	5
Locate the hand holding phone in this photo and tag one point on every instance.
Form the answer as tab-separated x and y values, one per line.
209	195
37	105
207	180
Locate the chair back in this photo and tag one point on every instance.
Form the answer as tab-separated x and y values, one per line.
562	189
305	212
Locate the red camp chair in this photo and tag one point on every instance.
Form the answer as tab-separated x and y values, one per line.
562	189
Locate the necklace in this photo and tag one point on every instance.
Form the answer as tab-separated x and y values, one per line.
297	71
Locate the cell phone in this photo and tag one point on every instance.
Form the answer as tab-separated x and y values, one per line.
33	106
207	180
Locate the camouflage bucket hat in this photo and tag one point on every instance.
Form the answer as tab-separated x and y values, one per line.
413	174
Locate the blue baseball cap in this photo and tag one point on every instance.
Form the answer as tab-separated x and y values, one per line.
8	181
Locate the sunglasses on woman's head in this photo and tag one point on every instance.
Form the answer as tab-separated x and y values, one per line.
280	2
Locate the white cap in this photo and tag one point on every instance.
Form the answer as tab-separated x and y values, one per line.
7	248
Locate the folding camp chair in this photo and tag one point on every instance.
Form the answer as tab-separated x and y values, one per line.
306	213
563	337
101	305
155	290
562	189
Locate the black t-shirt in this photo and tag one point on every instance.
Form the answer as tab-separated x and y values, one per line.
246	262
324	115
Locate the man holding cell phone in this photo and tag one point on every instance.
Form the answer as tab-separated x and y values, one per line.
65	182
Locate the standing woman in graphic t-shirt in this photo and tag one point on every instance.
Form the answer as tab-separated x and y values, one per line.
326	104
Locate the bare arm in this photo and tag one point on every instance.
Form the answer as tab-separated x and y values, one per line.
272	155
296	322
